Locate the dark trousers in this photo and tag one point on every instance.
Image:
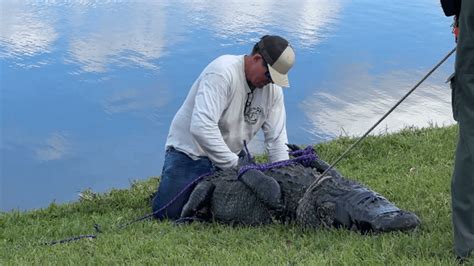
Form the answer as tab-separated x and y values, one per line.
462	193
179	170
462	186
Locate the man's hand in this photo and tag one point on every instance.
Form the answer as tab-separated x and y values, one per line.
293	147
244	159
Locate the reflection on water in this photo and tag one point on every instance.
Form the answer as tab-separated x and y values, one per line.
137	38
25	32
360	99
54	148
305	22
89	88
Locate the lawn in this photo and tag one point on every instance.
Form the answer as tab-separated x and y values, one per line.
411	168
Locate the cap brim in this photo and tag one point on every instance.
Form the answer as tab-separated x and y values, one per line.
278	78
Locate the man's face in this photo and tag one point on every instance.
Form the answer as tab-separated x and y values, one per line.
258	74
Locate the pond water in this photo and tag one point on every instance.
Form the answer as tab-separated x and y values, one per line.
89	88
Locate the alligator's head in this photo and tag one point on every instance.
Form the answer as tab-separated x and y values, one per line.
338	202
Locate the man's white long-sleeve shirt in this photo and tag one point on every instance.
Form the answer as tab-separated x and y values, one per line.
221	111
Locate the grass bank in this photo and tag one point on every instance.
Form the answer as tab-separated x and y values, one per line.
411	168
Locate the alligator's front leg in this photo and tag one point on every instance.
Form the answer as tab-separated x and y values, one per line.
265	187
198	199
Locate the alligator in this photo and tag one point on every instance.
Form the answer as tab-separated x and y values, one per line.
296	193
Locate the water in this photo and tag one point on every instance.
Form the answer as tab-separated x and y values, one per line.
89	88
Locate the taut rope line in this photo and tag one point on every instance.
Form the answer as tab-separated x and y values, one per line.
314	184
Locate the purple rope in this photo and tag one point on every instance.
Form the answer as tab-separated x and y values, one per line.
136	220
307	150
70	239
75	238
247	151
305	157
169	202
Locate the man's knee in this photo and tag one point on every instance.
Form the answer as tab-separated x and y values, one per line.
180	173
162	212
170	200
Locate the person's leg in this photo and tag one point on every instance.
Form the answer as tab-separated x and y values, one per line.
462	192
179	170
462	189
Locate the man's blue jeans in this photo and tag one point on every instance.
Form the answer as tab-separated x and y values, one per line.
179	170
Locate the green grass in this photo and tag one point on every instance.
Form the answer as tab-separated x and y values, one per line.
411	168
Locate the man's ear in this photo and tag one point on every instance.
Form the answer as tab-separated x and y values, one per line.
256	57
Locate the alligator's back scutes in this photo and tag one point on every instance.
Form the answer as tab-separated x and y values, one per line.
282	194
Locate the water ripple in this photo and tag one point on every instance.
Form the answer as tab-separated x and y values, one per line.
24	32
